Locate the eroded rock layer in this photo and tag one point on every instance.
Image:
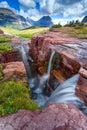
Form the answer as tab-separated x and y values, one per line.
54	117
70	55
14	70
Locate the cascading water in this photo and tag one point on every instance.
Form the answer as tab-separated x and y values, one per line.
45	77
65	93
50	61
25	61
37	90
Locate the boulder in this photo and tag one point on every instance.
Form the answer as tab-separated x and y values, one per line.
15	70
54	117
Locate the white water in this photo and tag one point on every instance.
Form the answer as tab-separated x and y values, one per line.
50	61
65	93
45	77
25	61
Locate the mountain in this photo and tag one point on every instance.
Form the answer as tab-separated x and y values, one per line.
84	19
45	21
9	18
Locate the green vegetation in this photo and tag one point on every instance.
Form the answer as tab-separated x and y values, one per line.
15	96
27	33
5	39
55	26
5	48
73	28
1	75
75	24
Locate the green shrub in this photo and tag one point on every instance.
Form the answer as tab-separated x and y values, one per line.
15	96
5	48
5	39
57	25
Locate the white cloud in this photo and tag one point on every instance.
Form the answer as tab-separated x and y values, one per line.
4	4
62	8
31	13
27	3
75	10
60	20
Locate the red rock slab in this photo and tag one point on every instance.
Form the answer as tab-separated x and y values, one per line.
54	117
82	89
14	67
60	43
14	70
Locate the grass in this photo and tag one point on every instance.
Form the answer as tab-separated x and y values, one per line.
5	39
5	48
28	33
15	96
79	32
1	75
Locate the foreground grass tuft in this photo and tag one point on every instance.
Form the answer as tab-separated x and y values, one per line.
5	48
15	96
5	39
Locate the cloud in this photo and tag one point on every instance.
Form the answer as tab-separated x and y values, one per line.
63	9
4	4
27	3
68	2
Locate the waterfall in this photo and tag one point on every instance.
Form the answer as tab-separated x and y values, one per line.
50	61
45	77
25	61
65	93
38	84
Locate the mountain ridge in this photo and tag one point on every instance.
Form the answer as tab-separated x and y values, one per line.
9	18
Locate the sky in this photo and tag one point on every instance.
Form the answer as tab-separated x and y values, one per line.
60	11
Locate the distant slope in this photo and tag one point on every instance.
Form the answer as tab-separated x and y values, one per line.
45	21
9	18
84	19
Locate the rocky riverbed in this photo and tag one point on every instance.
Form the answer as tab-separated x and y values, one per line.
69	59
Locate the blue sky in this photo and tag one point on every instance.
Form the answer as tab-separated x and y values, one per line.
59	10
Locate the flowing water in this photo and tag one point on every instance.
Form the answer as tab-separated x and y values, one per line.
64	93
38	85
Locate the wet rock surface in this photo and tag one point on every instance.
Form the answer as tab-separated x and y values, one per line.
70	58
54	117
71	52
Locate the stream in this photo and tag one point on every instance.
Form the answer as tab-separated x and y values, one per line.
64	93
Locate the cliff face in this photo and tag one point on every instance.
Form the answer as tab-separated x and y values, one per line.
10	56
66	58
70	54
